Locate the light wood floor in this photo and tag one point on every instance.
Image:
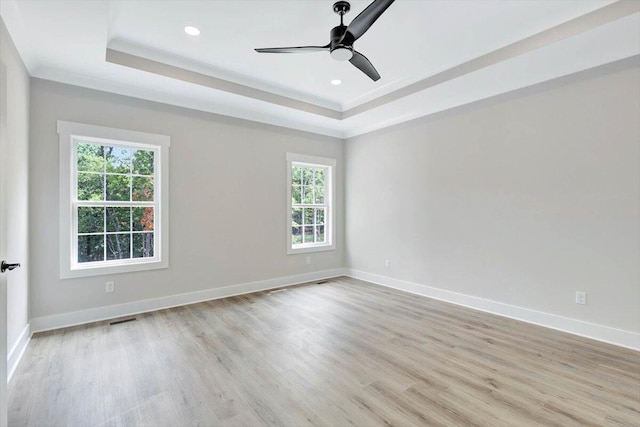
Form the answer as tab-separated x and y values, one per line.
336	354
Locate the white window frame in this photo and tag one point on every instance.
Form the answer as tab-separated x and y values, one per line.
330	229
70	134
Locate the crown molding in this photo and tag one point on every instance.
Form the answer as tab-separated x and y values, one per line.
581	24
141	60
167	70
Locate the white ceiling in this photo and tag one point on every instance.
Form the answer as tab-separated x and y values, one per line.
414	40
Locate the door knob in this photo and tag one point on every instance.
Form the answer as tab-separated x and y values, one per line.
4	266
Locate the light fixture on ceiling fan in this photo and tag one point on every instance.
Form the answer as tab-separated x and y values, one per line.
343	37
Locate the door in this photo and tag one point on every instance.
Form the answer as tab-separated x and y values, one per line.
3	245
14	207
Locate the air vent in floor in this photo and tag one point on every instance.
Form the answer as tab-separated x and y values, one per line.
117	322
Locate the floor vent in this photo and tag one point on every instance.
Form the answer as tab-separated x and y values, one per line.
117	322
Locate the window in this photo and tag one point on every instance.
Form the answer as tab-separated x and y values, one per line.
113	200
310	203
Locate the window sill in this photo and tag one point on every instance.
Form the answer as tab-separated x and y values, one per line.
88	271
314	248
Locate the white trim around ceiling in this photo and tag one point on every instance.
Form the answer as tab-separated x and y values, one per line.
259	112
222	77
605	36
163	69
142	59
602	45
555	34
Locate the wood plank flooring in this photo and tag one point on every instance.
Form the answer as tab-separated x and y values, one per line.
336	354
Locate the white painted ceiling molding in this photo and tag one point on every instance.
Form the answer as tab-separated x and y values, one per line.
444	54
189	76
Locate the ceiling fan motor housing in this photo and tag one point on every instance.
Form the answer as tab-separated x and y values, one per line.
341	43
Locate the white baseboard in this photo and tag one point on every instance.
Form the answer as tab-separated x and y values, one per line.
17	351
63	320
594	331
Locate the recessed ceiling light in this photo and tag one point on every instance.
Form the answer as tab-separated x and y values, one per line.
192	31
336	82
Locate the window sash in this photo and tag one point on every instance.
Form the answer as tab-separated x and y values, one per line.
328	167
75	234
75	203
326	206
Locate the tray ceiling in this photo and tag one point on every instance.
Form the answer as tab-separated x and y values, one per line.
432	55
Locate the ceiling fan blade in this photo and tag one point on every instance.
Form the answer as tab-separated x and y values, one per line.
297	49
363	64
367	17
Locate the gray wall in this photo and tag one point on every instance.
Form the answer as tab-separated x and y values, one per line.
523	199
227	199
14	161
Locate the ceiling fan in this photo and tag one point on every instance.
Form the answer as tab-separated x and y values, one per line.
343	37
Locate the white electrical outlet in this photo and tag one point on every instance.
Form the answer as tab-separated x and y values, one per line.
387	263
110	287
308	260
581	297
